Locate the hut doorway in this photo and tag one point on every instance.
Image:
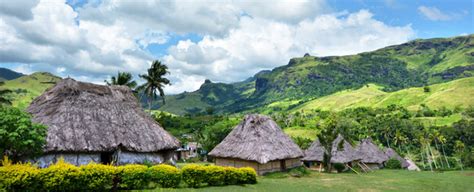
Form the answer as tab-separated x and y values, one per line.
282	165
106	157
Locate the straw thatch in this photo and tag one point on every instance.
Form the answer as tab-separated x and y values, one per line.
84	117
392	154
344	154
315	152
370	153
257	138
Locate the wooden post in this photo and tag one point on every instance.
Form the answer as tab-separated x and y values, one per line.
320	167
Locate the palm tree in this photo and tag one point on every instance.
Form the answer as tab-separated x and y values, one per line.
3	92
154	81
122	78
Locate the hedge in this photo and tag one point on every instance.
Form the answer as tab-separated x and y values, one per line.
63	176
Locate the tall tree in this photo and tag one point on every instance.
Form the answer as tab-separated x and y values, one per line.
155	82
122	78
3	92
334	126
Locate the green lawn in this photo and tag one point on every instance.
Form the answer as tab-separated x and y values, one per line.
382	180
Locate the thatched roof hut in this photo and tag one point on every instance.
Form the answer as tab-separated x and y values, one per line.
260	143
369	153
89	119
342	151
392	154
315	152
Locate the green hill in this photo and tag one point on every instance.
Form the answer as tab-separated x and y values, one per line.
26	88
7	74
413	64
451	94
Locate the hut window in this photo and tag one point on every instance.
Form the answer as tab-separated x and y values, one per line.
106	157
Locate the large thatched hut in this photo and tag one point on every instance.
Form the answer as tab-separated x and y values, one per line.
342	151
392	154
370	154
257	142
314	155
88	122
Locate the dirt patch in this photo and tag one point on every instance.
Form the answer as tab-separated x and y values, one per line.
469	174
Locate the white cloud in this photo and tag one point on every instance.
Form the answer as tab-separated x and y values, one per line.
434	14
258	44
20	9
239	38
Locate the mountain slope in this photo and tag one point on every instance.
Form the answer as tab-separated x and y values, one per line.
412	64
26	88
7	74
451	94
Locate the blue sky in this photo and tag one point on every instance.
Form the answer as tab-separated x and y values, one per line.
224	41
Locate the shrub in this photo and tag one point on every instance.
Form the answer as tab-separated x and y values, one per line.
19	177
165	175
97	177
232	176
215	175
194	175
393	164
133	176
249	176
60	176
299	171
339	167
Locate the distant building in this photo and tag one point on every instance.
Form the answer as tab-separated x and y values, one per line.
258	142
189	150
88	122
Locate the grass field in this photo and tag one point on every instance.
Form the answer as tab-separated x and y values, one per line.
450	94
382	180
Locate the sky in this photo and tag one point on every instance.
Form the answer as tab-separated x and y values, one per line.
221	40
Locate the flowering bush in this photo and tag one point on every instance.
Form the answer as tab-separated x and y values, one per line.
165	175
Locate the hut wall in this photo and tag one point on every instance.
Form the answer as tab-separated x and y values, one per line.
271	166
73	158
126	157
291	163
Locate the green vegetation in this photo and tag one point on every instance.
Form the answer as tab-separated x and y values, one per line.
452	94
63	176
382	180
154	81
413	64
24	89
122	78
19	137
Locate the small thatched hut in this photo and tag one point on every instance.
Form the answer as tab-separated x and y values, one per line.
88	122
392	154
342	151
370	154
314	155
257	142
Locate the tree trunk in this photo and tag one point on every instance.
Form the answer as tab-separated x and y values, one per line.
429	160
437	148
432	157
445	158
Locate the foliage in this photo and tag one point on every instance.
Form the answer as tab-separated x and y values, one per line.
19	177
194	175
133	176
393	164
197	175
3	92
302	142
97	177
165	175
122	78
154	81
60	176
19	137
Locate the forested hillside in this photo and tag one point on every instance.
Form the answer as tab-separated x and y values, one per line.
413	64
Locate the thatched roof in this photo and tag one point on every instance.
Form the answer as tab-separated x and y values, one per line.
315	152
257	138
370	153
84	117
392	154
342	153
